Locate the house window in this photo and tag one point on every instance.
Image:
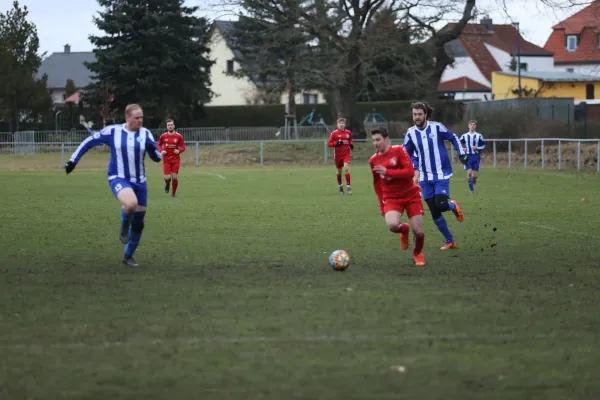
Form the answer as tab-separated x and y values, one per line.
230	66
571	43
570	70
589	91
523	66
310	98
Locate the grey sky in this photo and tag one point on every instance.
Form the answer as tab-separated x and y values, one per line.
70	21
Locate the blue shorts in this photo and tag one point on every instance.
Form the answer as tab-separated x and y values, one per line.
473	161
430	189
140	189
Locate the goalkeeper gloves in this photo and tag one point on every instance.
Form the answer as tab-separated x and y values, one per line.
339	143
69	167
463	158
351	147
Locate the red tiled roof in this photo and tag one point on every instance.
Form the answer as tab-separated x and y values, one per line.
503	37
462	84
586	24
73	98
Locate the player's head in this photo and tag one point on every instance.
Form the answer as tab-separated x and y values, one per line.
380	139
421	112
341	123
472	125
170	125
134	115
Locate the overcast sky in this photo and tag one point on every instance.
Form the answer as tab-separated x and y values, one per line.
70	21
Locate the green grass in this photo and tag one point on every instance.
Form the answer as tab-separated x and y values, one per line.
234	298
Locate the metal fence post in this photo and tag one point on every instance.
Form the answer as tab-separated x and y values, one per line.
559	154
262	153
509	153
494	153
543	157
525	155
598	158
197	154
325	152
579	154
62	154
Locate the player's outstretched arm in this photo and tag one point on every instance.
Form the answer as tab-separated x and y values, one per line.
95	139
160	143
452	138
152	148
332	142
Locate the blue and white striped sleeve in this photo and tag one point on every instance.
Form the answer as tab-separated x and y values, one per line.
152	148
480	142
96	139
451	137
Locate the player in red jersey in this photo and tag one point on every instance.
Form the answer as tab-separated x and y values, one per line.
171	144
393	174
341	141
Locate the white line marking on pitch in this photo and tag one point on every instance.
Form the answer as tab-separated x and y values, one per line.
266	339
552	228
214	174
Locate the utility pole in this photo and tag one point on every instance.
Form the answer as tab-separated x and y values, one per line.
518	56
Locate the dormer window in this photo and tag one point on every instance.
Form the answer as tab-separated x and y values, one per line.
571	43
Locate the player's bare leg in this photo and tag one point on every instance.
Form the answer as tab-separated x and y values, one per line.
338	175
416	224
392	220
175	183
347	176
129	203
475	173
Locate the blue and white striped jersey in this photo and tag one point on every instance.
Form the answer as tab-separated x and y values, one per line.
127	151
473	139
428	149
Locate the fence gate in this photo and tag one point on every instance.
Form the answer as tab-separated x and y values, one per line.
24	142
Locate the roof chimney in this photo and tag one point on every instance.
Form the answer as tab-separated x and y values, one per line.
67	48
487	22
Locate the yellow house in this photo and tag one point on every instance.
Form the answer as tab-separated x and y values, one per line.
505	85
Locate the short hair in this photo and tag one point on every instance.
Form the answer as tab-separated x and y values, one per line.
472	121
169	120
341	120
131	108
422	105
380	131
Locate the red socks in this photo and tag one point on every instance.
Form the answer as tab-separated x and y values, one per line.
347	179
403	229
175	184
419	243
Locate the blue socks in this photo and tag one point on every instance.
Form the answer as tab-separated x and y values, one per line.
125	218
135	233
471	188
443	227
451	205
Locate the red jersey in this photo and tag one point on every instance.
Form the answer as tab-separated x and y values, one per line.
398	180
346	137
169	143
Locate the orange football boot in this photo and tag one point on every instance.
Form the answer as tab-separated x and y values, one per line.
460	217
419	259
448	246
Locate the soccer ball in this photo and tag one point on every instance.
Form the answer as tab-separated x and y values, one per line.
339	260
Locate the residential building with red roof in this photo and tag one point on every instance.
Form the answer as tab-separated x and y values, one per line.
485	48
575	42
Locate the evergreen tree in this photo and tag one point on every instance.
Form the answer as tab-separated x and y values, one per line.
154	52
22	97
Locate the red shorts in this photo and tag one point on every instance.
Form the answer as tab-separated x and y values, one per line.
413	206
339	162
171	166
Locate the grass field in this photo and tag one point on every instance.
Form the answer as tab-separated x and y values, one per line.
234	299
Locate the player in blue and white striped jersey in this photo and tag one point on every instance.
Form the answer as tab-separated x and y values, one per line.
474	143
128	145
425	141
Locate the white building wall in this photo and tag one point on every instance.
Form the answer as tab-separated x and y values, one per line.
585	69
533	63
464	66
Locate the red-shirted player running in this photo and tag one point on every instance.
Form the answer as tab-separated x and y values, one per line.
341	141
171	145
393	173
